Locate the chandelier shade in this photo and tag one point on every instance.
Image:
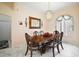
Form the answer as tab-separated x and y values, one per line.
49	14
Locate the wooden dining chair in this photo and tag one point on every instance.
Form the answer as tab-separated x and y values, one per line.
54	43
36	33
30	45
60	40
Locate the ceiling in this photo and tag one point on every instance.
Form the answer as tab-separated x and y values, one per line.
43	6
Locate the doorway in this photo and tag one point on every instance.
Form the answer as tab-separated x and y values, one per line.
5	31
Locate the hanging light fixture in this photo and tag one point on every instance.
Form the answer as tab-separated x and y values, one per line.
49	13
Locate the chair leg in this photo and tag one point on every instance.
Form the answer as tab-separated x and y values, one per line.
41	51
38	47
61	45
26	51
58	48
31	53
53	52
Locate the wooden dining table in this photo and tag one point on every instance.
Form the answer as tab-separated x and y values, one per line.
42	40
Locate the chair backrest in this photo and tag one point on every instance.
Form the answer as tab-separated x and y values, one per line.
41	33
56	32
56	35
35	33
61	36
28	38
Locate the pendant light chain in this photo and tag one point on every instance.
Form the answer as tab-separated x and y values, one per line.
48	5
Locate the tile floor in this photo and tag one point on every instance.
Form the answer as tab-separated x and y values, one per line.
69	51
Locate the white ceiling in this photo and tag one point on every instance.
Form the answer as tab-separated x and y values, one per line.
43	6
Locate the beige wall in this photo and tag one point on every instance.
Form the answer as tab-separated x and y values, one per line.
21	13
74	12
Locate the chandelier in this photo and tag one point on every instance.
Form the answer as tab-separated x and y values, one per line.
49	13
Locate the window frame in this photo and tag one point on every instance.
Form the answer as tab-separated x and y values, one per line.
71	18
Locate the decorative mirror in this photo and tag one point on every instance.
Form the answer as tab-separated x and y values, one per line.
34	23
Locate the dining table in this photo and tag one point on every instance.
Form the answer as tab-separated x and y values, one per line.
43	40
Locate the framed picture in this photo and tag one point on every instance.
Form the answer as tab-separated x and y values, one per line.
34	23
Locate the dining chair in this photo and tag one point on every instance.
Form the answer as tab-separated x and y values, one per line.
36	33
54	43
30	45
60	39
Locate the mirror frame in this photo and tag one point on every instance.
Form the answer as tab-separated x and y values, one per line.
36	20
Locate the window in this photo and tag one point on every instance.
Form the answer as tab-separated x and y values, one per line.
64	23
